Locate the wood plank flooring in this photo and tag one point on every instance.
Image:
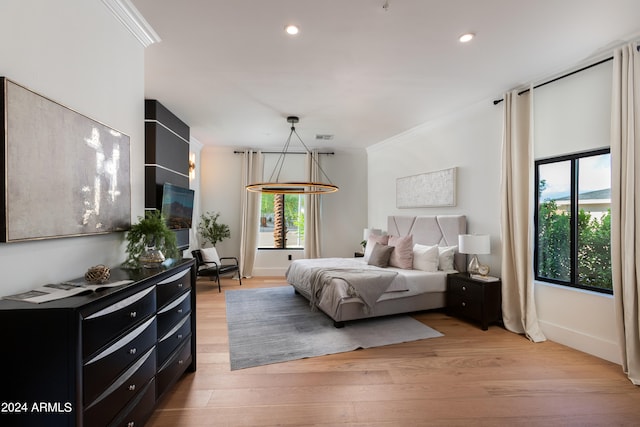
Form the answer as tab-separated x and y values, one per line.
468	377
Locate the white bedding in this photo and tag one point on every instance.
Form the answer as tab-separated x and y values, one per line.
410	290
406	283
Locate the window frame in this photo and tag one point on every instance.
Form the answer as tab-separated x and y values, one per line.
286	247
574	210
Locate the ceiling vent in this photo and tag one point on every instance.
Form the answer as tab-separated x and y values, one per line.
324	137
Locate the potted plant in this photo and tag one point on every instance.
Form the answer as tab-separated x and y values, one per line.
150	241
210	230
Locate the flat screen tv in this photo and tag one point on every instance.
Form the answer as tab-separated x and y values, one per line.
177	206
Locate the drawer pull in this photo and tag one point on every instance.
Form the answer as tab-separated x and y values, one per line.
464	304
464	288
132	350
179	336
132	387
133	314
179	310
180	362
180	285
131	424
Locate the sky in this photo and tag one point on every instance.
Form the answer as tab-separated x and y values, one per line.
594	174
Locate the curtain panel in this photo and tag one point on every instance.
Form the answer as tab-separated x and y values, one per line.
312	247
252	162
625	203
518	304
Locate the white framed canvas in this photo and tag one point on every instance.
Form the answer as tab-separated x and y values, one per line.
429	189
64	173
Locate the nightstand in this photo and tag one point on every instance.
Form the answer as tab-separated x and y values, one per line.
474	300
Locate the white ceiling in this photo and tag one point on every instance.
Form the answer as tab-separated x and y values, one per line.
356	71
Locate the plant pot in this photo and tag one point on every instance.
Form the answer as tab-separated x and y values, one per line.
151	257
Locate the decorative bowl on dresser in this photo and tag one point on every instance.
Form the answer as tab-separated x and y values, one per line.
100	359
472	299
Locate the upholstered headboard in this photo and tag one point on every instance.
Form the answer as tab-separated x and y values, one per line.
441	230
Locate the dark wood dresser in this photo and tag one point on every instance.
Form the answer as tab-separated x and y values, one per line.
474	300
102	359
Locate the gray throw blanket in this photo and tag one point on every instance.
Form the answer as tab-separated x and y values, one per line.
366	284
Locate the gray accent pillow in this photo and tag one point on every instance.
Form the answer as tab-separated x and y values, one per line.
380	255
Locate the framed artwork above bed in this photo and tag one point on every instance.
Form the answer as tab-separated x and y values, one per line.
63	174
429	189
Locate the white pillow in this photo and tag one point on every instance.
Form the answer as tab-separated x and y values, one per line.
445	258
210	255
425	258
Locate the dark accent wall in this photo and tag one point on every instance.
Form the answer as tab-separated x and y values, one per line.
166	156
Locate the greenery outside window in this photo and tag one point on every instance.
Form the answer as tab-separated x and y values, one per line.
573	221
281	221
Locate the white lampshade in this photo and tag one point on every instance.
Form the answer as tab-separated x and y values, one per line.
369	231
474	244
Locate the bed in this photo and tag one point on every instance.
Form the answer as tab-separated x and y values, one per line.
351	288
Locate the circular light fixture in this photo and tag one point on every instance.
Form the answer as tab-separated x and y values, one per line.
292	187
292	29
274	186
467	37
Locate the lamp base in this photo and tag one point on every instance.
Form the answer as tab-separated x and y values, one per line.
474	265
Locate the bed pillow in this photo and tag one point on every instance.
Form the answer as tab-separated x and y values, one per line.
210	255
445	257
373	239
402	255
425	258
380	255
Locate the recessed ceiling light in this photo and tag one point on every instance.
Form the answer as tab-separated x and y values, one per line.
292	29
466	37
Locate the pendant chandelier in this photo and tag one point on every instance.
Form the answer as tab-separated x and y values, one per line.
274	186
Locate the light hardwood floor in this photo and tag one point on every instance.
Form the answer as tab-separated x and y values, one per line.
468	377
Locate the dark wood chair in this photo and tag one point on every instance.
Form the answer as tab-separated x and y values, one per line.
213	270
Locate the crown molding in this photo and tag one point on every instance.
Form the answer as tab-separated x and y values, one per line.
133	21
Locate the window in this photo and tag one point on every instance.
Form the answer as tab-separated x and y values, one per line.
573	221
281	221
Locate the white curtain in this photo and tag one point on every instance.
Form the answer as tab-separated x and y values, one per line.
518	304
625	204
312	247
250	201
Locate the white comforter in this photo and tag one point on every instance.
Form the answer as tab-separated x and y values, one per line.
406	283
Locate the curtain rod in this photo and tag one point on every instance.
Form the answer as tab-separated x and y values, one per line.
331	153
498	101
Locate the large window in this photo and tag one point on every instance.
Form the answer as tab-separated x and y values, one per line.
281	221
573	220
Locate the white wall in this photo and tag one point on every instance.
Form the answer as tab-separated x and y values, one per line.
77	53
344	214
573	115
470	141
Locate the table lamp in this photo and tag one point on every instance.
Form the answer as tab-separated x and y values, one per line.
474	244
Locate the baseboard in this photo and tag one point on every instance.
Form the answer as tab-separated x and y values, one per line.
604	349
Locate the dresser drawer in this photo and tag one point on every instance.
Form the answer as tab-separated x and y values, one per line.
465	289
167	289
101	327
104	409
174	367
172	313
139	409
100	372
463	305
170	341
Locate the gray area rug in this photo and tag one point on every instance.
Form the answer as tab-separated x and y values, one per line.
271	325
